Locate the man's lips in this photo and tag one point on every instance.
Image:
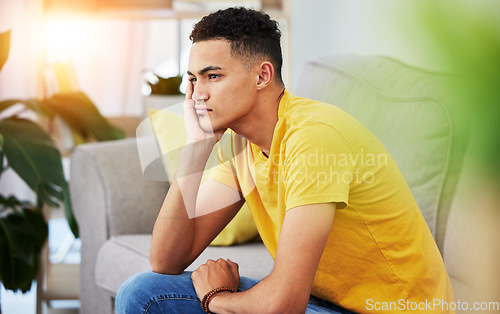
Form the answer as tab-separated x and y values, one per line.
200	109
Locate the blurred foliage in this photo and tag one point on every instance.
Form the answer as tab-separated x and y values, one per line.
165	86
27	149
23	232
465	37
81	115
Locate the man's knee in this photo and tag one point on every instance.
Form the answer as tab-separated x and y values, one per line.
131	294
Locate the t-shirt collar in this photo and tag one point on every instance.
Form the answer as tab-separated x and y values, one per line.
283	103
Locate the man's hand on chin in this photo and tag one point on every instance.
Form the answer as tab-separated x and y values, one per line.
215	274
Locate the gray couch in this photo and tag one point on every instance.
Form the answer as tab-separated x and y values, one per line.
403	106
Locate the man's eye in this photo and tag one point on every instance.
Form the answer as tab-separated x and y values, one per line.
192	79
213	76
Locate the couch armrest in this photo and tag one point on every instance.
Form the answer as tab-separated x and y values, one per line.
109	192
110	197
471	250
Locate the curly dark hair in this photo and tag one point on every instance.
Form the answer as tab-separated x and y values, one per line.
252	34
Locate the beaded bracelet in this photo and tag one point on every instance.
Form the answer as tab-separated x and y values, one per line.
208	297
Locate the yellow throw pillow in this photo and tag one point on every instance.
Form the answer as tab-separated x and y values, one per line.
171	136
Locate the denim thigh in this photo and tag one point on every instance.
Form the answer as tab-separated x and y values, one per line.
149	292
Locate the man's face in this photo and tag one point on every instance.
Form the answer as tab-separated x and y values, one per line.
222	81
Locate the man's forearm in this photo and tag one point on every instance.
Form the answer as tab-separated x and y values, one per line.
287	289
268	296
173	233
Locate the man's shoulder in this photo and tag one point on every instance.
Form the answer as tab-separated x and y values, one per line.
311	121
300	111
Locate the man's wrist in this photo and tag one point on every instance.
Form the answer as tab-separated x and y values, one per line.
194	158
200	149
216	302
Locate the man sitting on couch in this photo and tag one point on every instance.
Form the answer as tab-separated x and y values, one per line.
329	202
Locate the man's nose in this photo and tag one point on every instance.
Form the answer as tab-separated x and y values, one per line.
199	94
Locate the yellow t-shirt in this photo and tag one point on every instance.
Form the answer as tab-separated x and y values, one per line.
379	248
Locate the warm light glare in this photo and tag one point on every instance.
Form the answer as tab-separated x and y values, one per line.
65	39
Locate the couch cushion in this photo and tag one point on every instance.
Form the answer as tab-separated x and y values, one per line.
406	109
122	256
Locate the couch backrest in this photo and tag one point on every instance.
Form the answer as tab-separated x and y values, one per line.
407	110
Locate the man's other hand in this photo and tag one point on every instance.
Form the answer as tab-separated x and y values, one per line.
215	274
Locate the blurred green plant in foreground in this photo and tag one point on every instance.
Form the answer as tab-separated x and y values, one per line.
464	36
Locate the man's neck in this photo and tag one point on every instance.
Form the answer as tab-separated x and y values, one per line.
259	127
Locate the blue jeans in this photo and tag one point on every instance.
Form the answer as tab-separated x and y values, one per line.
149	292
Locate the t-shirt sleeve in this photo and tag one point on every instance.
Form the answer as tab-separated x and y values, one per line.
222	168
224	174
318	166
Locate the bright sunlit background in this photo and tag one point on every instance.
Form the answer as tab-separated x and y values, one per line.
66	39
111	57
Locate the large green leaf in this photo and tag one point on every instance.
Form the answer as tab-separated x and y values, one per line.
23	231
4	47
70	216
32	154
80	113
30	104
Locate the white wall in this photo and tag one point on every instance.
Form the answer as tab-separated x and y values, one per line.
362	27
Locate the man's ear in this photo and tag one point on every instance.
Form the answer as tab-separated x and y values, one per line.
266	74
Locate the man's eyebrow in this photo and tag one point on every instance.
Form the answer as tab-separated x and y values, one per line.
206	69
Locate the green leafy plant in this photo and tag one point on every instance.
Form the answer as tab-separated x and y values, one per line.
465	38
27	149
165	86
23	234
